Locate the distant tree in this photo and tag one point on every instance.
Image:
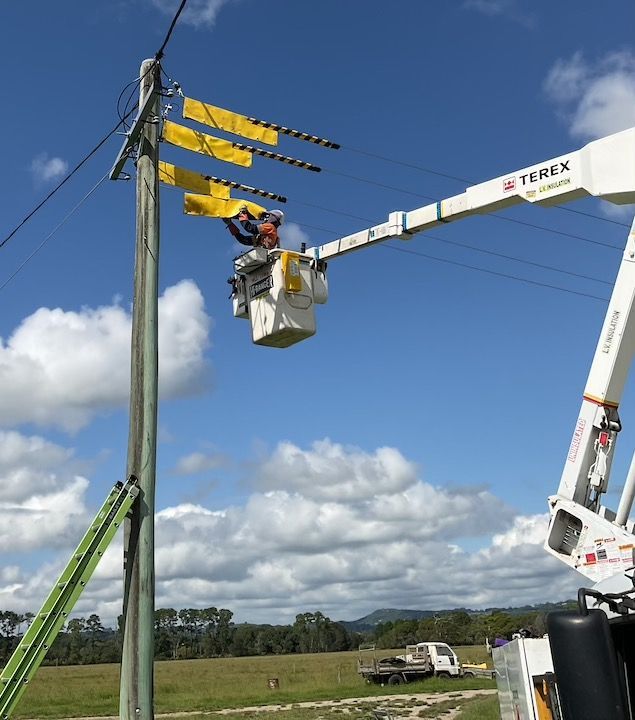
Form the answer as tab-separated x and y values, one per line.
166	636
9	627
244	640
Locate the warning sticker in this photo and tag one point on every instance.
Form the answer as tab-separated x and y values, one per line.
605	557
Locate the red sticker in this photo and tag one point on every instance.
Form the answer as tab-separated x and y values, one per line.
509	184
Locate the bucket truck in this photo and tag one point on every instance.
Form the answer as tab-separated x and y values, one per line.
587	669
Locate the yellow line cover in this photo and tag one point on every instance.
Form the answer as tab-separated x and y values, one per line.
184	137
227	120
188	180
214	207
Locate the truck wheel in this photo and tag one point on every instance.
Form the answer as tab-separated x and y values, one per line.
443	674
395	680
468	674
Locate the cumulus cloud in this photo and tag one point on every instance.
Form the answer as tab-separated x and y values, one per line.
60	368
41	496
199	13
341	530
329	471
292	236
346	531
45	168
198	462
509	9
594	98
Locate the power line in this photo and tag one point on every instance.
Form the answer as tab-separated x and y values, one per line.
334	212
122	121
518	260
556	232
438	173
493	215
55	229
494	272
64	181
485	252
159	53
378	184
123	117
414	166
591	215
132	82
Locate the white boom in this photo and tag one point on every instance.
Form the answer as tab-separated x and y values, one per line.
596	541
604	168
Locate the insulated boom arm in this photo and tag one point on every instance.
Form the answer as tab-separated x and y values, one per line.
604	168
583	534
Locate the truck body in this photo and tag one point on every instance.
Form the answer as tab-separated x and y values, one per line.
419	661
525	680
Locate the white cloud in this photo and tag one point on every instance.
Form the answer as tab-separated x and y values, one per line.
346	532
41	496
329	471
292	236
198	462
45	168
59	368
341	530
504	8
197	12
594	99
619	213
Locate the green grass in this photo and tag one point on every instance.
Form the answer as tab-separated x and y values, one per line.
218	683
473	654
484	708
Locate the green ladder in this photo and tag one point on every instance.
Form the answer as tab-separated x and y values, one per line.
34	645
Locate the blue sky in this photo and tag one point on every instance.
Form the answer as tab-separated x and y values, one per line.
403	456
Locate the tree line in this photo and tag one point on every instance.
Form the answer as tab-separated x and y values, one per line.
460	628
183	634
210	632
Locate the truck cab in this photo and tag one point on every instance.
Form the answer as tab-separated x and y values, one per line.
443	659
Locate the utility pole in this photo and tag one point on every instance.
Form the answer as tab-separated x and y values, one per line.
137	665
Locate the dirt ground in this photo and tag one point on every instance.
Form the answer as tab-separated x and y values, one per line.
408	705
399	707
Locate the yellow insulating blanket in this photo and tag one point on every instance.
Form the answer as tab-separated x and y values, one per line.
207	206
227	120
188	180
189	139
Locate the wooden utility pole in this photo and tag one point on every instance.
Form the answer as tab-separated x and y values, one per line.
137	665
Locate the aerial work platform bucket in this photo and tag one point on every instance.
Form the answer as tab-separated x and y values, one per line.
277	291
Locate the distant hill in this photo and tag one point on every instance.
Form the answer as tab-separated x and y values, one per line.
369	622
542	608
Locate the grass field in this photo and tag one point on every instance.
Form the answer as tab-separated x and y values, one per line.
191	685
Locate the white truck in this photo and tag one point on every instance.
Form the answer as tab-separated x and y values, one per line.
592	650
419	661
526	681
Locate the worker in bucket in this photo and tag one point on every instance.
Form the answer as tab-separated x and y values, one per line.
261	233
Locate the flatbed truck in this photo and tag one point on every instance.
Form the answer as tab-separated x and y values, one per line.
419	661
